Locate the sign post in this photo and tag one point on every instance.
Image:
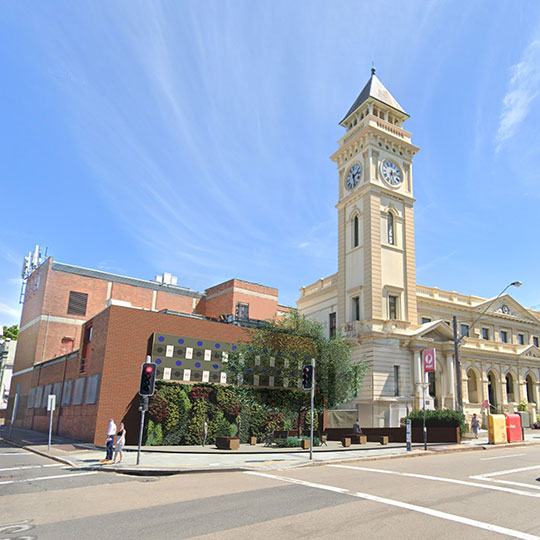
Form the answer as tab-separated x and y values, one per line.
408	426
428	358
147	387
312	398
51	405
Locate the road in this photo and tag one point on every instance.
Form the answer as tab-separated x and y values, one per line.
480	494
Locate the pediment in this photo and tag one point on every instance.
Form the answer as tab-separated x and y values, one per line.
437	330
507	307
531	352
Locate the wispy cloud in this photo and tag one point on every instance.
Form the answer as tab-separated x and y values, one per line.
10	311
523	89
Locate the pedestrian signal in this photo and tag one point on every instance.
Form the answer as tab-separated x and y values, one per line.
148	379
307	377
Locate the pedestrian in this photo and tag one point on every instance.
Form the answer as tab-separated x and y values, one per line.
111	431
475	425
357	428
204	432
120	441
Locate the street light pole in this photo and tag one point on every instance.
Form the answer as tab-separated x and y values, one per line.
458	340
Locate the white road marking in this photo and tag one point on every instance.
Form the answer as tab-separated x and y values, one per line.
442	479
413	507
500	457
32	467
508	482
509	471
14	454
214	464
47	478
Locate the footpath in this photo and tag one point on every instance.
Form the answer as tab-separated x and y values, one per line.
166	460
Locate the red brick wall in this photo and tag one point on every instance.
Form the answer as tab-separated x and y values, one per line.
175	302
127	345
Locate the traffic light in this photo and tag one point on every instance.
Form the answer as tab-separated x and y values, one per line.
148	379
307	377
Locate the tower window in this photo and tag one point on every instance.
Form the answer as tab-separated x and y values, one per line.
521	339
396	381
426	320
392	307
355	232
485	333
356	308
535	341
504	336
464	330
390	221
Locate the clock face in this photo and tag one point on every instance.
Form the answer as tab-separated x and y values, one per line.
391	173
353	177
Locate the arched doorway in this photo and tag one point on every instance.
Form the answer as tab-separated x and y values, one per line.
510	385
472	386
531	397
492	392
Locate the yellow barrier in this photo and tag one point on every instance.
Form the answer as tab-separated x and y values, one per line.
497	428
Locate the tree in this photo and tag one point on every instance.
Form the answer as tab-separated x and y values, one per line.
337	377
11	332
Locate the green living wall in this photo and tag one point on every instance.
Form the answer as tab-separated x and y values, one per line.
177	412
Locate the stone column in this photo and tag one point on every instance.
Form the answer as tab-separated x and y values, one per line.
450	379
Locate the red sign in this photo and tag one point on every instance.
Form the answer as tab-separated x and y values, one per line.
485	404
429	359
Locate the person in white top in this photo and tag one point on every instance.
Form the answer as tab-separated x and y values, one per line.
111	432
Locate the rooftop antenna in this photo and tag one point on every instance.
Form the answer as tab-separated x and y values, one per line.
31	262
373	67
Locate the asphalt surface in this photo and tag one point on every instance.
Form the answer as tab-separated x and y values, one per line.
481	494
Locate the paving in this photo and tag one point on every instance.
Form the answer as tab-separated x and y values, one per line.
162	460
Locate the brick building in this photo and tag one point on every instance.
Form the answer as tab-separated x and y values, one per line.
84	334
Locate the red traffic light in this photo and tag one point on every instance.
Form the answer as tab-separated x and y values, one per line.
148	369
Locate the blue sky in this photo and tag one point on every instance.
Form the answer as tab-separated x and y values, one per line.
194	136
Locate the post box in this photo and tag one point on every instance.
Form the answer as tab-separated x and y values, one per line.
497	428
513	427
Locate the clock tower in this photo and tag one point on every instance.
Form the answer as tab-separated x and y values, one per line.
376	279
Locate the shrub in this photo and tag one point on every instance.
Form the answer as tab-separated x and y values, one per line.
522	405
157	409
195	423
439	418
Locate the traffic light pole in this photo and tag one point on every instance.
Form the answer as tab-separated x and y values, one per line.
143	408
312	399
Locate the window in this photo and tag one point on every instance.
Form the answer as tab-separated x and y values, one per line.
425	320
504	336
77	303
510	387
535	341
485	333
521	339
464	329
356	308
355	232
396	381
392	307
332	324
391	238
242	311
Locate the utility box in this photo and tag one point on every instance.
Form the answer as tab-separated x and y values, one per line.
513	427
497	428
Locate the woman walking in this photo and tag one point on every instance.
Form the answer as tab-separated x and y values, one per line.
475	425
120	441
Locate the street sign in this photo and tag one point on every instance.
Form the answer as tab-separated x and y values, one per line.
429	360
485	404
51	402
408	425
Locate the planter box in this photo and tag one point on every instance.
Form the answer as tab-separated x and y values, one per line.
384	439
346	441
305	444
228	443
253	441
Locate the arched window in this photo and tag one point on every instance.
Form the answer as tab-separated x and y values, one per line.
530	392
510	387
355	232
390	221
472	385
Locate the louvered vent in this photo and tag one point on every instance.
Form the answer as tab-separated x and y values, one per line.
77	303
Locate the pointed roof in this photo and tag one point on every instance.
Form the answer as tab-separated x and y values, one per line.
375	89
